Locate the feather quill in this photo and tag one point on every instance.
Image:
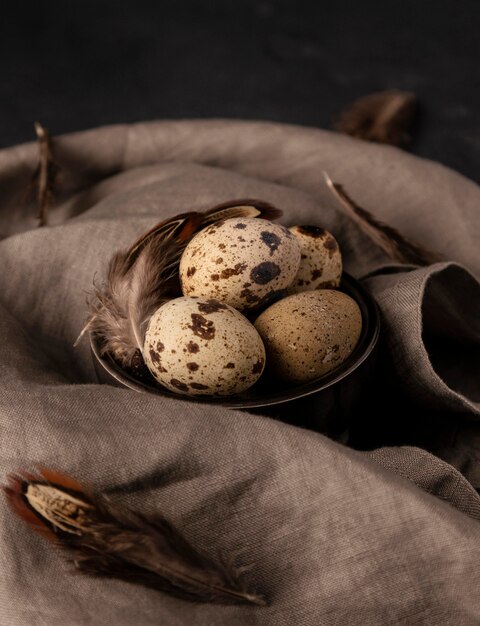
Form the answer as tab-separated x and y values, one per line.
389	239
142	278
106	539
44	178
383	117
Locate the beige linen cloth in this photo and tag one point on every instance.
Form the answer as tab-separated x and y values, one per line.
335	535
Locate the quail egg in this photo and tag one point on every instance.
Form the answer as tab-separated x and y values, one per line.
202	346
245	262
321	260
308	334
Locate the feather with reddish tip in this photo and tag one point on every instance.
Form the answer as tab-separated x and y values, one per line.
105	539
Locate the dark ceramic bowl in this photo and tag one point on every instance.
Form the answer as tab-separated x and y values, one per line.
324	404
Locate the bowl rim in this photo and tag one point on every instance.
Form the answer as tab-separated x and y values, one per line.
365	345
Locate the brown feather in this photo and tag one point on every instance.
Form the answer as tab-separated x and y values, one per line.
45	176
154	280
389	239
242	208
142	278
383	117
105	539
185	225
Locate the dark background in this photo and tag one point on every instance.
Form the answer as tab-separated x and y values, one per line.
75	65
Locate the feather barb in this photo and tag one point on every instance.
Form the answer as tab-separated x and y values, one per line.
389	239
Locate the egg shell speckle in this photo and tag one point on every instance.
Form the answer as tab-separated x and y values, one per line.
203	347
308	334
321	260
245	262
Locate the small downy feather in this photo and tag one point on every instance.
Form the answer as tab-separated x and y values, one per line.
142	278
106	539
389	239
384	117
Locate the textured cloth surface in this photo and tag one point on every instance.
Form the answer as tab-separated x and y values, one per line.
335	535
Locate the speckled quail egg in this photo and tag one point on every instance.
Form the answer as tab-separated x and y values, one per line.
203	347
308	334
245	262
321	260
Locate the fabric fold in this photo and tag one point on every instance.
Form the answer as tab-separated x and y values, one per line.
334	535
432	327
430	474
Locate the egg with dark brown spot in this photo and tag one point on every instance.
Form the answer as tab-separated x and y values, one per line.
198	346
321	260
238	252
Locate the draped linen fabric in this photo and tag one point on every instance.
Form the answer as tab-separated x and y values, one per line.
384	530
